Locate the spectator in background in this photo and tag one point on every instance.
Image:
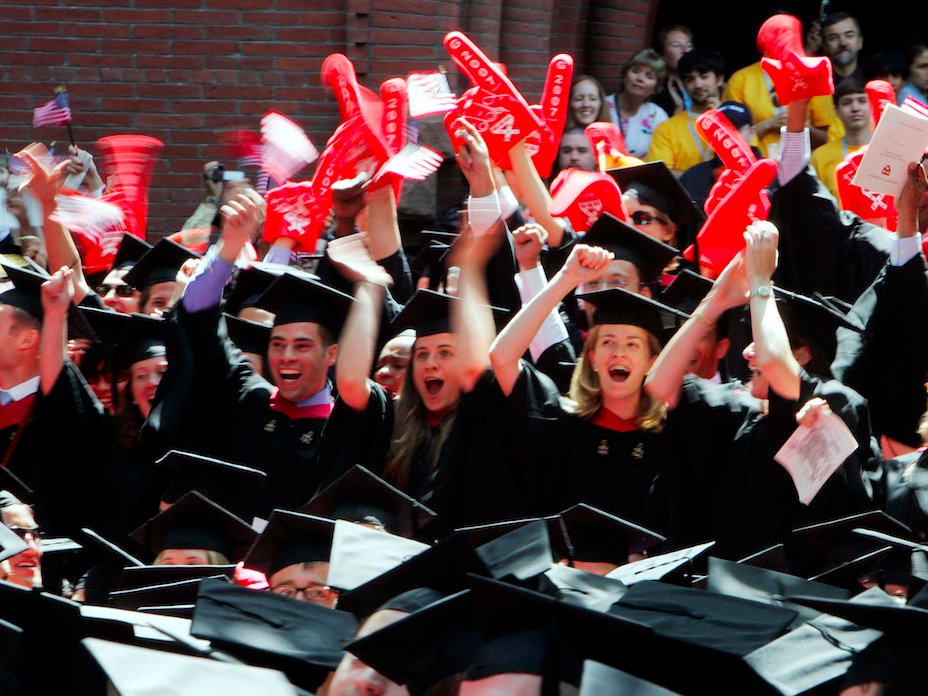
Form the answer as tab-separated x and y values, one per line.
843	41
631	110
890	66
673	42
853	108
917	84
587	102
575	151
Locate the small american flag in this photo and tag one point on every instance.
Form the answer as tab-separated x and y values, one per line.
57	112
429	94
913	105
285	147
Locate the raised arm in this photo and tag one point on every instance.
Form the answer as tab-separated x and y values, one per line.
534	193
771	344
665	378
585	263
53	351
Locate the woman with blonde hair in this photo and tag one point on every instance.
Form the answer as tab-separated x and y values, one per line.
603	446
636	115
587	102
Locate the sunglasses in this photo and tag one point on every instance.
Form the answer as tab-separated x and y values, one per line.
640	217
120	290
24	533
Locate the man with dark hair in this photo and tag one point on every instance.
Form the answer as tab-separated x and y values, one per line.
842	41
853	108
676	141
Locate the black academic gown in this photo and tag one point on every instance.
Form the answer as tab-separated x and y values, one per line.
58	455
723	483
902	492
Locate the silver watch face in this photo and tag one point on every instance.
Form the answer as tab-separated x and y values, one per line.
762	291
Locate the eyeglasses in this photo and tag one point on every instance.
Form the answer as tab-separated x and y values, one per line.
847	36
27	533
313	593
120	290
640	217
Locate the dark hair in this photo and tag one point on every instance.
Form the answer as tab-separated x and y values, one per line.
831	19
887	63
701	60
849	85
21	319
912	51
667	31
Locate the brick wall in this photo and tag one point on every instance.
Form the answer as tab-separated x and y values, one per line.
185	70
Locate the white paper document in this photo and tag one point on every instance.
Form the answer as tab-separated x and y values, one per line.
901	138
813	453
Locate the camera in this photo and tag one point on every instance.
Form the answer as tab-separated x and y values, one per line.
219	173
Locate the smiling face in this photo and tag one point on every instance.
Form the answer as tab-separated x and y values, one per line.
24	568
585	102
299	359
435	372
117	294
144	378
703	87
620	356
393	363
655	223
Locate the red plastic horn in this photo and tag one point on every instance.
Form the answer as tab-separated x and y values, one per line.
132	159
880	94
794	75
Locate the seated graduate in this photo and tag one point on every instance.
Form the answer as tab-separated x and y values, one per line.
605	448
25	568
724	484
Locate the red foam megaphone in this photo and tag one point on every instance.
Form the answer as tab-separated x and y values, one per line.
794	75
725	140
582	197
880	94
877	208
132	159
721	237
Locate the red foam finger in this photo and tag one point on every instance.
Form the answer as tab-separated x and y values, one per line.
338	72
873	207
725	140
797	77
880	94
582	197
393	124
779	35
294	213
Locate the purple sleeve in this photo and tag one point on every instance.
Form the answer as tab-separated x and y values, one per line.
205	290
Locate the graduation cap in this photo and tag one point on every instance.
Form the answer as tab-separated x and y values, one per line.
289	538
586	589
10	543
813	320
138	671
686	291
230	485
656	186
301	639
521	553
676	566
360	496
591	534
429	313
26	291
431	254
873	609
443	567
110	550
248	336
619	306
195	522
649	255
143	338
176	592
250	283
160	264
360	554
131	250
107	325
299	297
134	577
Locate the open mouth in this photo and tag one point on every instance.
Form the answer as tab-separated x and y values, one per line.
433	386
618	374
289	376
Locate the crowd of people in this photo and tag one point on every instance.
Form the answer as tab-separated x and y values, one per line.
515	458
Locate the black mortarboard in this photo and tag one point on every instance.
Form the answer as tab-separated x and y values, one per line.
676	566
521	553
26	293
159	265
430	259
360	496
111	551
176	592
649	255
10	543
14	485
143	338
813	321
109	326
195	522
300	297
873	609
592	534
134	577
429	312
138	671
443	567
250	283
619	306
586	589
289	538
227	484
360	554
658	187
130	250
686	291
301	639
248	336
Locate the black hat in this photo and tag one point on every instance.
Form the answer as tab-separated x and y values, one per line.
586	589
771	558
676	566
736	112
360	554
686	291
159	265
195	522
289	538
619	306
649	255
813	321
130	250
591	534
136	671
299	297
429	313
873	609
26	293
360	496
521	553
248	336
301	639
143	338
431	257
223	482
10	543
176	592
656	186
443	567
134	577
250	283
107	325
111	551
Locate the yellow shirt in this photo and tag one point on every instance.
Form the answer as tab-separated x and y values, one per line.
752	87
678	144
826	159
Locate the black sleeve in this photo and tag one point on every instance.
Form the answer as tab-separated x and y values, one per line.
398	267
557	363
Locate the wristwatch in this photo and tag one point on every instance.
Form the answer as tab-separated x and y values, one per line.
764	291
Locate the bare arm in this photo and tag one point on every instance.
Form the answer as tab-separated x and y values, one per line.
56	299
534	194
383	231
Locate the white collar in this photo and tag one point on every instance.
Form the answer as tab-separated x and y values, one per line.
23	389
